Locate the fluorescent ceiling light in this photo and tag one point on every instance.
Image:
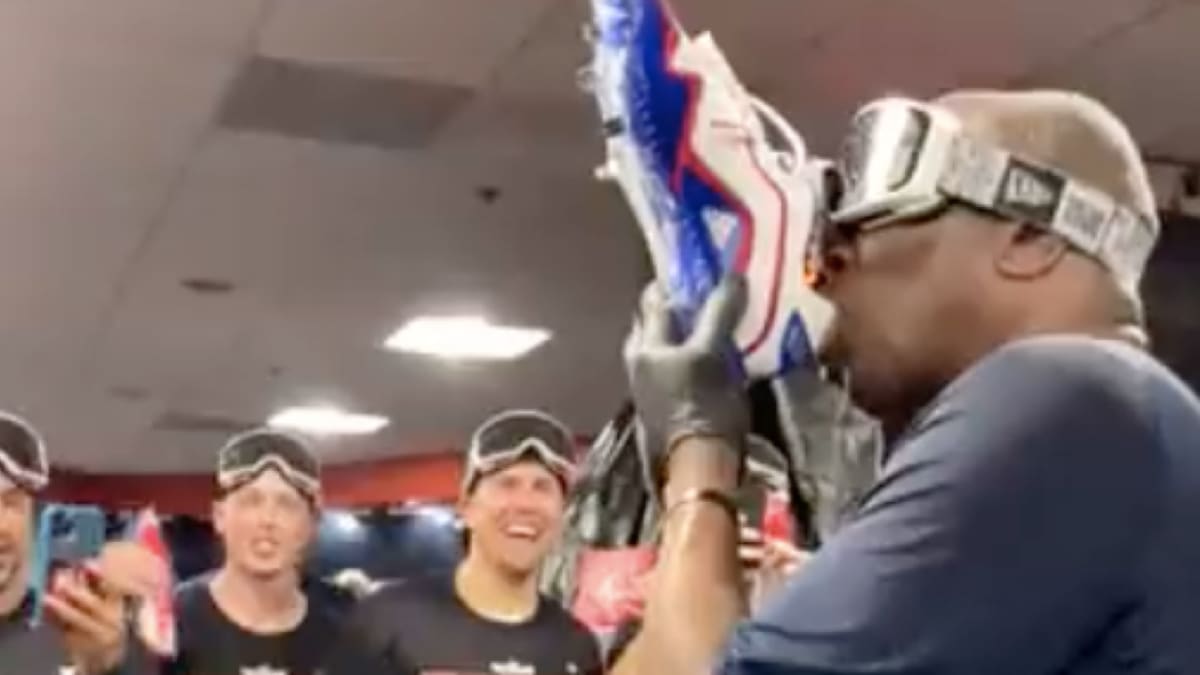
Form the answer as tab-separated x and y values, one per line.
319	420
465	337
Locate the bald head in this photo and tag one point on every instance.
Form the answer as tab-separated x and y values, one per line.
1064	130
995	277
1077	135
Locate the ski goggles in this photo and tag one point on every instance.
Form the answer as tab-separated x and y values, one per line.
906	160
514	435
247	455
22	454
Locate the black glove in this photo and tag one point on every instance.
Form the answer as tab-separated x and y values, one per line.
690	387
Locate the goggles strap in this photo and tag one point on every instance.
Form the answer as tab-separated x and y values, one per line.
29	479
488	461
232	477
1089	219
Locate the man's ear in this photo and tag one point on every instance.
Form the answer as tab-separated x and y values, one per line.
218	516
1028	252
316	512
465	511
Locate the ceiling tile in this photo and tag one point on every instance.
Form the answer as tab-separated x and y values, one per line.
1148	76
924	47
103	105
763	38
149	27
548	60
454	41
337	105
561	130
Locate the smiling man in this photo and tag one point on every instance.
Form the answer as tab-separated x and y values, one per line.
488	617
86	630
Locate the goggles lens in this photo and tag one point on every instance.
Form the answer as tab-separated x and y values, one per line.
510	436
249	454
903	161
879	157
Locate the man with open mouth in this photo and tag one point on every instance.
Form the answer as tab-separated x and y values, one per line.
251	615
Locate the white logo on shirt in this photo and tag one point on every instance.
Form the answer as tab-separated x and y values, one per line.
512	667
263	670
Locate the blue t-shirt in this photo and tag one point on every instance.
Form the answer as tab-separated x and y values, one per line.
1041	516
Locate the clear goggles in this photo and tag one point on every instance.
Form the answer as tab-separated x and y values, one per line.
905	160
22	454
247	455
511	436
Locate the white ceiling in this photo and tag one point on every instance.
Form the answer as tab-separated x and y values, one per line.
116	183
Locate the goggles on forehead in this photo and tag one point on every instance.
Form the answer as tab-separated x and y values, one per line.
247	455
510	436
904	160
22	454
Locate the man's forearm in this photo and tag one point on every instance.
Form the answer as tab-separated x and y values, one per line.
696	596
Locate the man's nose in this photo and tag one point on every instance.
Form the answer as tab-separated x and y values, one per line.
526	501
268	518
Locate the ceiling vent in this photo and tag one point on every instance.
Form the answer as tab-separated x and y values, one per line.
200	423
338	105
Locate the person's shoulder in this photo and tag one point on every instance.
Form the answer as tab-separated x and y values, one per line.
409	594
1058	374
397	606
554	613
1072	361
573	631
1068	408
192	593
328	605
196	613
1044	402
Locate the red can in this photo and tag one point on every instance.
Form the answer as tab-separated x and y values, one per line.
611	586
777	523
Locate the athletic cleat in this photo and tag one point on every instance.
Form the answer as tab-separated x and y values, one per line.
688	145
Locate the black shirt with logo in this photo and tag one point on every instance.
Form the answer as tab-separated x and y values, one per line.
421	627
211	644
25	650
30	650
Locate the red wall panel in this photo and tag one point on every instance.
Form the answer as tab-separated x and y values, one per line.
422	478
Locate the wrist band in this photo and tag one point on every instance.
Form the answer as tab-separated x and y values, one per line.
697	495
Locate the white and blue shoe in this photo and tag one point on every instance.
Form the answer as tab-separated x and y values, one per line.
690	149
